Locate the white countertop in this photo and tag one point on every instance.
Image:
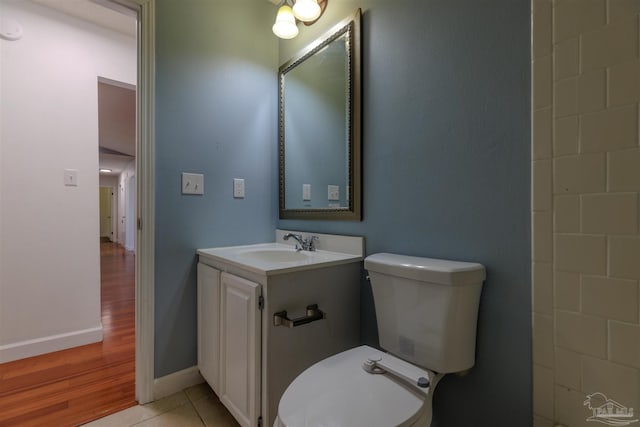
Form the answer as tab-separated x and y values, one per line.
275	258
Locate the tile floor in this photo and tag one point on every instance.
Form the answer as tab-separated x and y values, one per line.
196	406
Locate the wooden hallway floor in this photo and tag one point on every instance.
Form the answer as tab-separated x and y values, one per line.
74	386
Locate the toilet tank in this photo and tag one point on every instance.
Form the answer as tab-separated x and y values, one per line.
427	309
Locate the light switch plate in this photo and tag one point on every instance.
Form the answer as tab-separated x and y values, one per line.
333	192
306	192
238	188
71	177
192	183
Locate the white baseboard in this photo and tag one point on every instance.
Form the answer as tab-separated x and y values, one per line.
29	348
173	383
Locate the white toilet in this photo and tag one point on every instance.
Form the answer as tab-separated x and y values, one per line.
427	311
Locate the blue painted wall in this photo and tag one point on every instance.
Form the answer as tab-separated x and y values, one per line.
446	164
216	112
446	172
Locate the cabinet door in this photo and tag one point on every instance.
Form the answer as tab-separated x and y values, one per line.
240	349
209	325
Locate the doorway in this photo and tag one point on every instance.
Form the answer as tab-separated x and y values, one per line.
106	214
116	154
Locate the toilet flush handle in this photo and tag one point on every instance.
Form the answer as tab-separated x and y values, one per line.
375	365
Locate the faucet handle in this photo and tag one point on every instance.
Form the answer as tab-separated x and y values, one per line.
303	243
309	242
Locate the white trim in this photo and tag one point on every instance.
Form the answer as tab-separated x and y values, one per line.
173	383
130	214
114	213
145	202
122	6
116	83
29	348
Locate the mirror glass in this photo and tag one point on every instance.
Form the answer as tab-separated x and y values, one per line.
319	127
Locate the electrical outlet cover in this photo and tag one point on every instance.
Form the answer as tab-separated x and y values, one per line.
238	188
333	192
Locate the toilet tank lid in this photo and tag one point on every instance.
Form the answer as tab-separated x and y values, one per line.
426	269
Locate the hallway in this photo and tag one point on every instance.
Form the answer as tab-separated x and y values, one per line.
73	386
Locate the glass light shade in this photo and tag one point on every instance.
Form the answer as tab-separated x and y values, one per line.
306	10
285	26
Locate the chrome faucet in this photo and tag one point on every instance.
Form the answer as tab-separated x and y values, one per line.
304	244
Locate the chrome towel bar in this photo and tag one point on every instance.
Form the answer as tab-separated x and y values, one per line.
313	313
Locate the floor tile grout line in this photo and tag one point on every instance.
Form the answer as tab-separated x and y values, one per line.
163	412
197	413
197	396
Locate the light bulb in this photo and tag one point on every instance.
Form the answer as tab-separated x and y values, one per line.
306	10
285	26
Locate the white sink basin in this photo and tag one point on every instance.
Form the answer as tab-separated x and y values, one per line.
273	258
273	255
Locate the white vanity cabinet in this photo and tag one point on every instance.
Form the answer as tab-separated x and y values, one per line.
245	352
229	340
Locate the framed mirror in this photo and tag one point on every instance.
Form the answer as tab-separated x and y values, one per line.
319	127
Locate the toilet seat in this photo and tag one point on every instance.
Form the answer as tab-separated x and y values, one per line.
338	392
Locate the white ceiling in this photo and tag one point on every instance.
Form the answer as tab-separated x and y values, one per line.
114	17
116	125
114	162
117	118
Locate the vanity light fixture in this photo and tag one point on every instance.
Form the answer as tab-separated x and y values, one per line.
306	10
291	11
285	26
104	170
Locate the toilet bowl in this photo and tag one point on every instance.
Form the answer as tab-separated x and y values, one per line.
426	310
338	392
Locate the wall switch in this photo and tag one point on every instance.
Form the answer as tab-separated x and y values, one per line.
306	192
238	188
71	177
192	183
333	192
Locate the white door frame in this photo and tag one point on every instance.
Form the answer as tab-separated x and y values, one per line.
130	214
145	114
114	214
145	202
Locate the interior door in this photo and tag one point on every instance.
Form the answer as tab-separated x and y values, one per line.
105	212
240	348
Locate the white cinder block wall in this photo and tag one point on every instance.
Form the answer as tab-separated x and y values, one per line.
585	202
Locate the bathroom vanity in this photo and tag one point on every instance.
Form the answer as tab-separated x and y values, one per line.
266	312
